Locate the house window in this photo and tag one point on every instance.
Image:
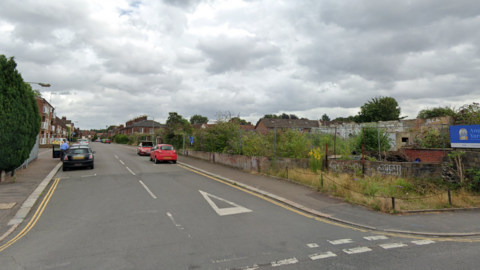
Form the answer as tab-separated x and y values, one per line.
151	130
141	130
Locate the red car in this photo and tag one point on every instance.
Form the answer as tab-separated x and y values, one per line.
144	148
163	152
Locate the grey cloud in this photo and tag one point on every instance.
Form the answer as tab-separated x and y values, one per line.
235	54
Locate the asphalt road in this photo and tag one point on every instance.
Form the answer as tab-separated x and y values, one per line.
129	213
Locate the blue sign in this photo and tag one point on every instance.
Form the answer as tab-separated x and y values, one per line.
465	136
191	140
73	133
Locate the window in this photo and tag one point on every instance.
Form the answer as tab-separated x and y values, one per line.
151	130
166	147
141	130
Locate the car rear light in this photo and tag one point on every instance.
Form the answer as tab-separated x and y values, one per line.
174	151
90	157
65	158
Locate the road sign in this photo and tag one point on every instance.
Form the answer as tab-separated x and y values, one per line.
465	136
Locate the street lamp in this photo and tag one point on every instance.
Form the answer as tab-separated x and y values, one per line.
41	84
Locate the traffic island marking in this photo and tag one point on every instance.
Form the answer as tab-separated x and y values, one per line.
5	206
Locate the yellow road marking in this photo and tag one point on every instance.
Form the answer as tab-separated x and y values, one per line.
35	217
333	222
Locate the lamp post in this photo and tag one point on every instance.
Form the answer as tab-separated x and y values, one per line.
39	83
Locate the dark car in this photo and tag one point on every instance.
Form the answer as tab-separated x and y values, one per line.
78	156
163	152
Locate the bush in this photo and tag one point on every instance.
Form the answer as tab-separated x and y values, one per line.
436	112
121	139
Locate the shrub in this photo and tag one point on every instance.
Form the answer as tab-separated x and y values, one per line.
121	139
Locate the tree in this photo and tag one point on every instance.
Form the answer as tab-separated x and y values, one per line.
177	126
436	112
325	117
240	121
379	109
19	117
293	116
272	116
350	118
198	119
468	114
285	116
95	137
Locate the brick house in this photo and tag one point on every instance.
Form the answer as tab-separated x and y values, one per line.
140	125
266	124
47	117
69	124
60	128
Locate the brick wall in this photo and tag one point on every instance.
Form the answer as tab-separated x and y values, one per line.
426	155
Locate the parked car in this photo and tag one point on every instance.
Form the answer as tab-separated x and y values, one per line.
82	141
163	152
108	141
78	156
98	140
144	148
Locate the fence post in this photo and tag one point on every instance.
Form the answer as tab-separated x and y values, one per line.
326	156
184	143
393	203
321	179
363	159
275	141
443	140
286	167
335	143
378	137
449	197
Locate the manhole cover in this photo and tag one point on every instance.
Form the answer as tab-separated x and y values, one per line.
4	206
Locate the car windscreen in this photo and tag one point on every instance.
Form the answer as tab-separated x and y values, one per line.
78	151
166	147
147	144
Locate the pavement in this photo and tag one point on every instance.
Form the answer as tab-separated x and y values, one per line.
19	196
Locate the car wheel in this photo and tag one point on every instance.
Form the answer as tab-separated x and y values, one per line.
156	161
64	169
174	162
151	158
91	167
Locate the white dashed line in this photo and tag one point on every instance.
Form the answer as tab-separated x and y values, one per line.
376	237
116	156
89	175
340	241
423	242
284	262
322	255
130	171
148	190
393	245
357	250
312	245
121	161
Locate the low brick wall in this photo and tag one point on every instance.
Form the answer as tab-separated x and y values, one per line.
426	154
402	169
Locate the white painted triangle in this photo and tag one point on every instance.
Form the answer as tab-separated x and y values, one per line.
237	209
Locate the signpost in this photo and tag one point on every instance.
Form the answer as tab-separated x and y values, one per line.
465	136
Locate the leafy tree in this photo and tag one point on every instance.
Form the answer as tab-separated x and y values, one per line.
371	140
436	112
36	92
285	116
350	118
325	117
272	116
240	121
95	137
468	114
177	126
293	116
380	109
19	117
198	119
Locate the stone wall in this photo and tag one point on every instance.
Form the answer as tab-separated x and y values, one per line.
402	169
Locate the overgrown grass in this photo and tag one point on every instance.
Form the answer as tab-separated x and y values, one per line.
377	190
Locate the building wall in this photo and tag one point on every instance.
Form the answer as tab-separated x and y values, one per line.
426	155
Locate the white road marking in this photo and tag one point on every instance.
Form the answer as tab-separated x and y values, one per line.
148	190
423	242
375	237
322	255
116	156
237	209
89	175
393	245
130	171
228	260
357	250
340	241
176	224
121	161
312	245
284	262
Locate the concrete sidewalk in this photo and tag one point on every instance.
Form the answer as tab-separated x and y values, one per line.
13	195
451	223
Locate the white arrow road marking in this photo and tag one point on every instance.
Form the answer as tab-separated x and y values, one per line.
375	237
237	209
423	242
357	250
312	245
148	190
340	241
393	245
322	255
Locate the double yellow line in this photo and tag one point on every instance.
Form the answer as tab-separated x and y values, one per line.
35	217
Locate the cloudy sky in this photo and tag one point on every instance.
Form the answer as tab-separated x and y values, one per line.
109	61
